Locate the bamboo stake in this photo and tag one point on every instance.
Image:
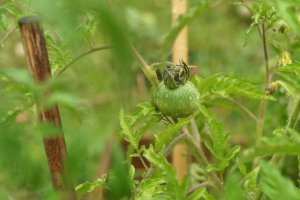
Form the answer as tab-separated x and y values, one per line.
180	51
35	48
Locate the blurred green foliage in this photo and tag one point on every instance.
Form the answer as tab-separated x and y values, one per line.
91	91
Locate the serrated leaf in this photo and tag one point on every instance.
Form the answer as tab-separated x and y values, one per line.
218	144
229	84
290	68
88	186
275	186
143	110
255	21
165	137
153	188
261	13
159	162
201	193
232	152
127	132
242	167
250	179
280	146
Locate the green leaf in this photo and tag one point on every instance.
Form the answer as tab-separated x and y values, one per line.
182	21
20	76
11	115
229	84
201	194
64	98
233	189
164	138
144	109
290	90
160	163
261	12
242	167
279	144
127	132
290	68
3	22
153	188
275	186
286	11
131	172
88	186
218	144
135	124
250	180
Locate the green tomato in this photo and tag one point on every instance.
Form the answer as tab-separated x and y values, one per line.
177	103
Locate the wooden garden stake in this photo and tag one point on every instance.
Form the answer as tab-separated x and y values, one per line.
180	51
38	63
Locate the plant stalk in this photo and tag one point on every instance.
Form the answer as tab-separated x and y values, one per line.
263	103
59	72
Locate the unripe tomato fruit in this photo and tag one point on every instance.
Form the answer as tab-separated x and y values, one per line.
177	103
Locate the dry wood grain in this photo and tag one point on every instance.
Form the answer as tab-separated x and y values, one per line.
36	52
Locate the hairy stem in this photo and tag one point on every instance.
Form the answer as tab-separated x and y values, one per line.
142	159
292	123
266	56
243	108
200	156
7	35
151	76
196	187
263	104
59	72
167	151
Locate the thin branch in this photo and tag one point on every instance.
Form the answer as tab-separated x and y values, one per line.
196	187
168	150
195	130
202	158
243	108
175	141
263	104
81	56
200	152
292	123
8	34
142	159
266	57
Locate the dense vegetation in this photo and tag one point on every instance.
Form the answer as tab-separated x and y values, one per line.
243	138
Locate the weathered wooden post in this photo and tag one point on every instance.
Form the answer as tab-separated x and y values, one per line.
35	48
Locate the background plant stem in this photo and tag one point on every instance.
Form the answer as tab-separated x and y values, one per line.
59	72
263	103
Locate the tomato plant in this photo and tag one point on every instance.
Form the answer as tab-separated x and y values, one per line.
230	107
